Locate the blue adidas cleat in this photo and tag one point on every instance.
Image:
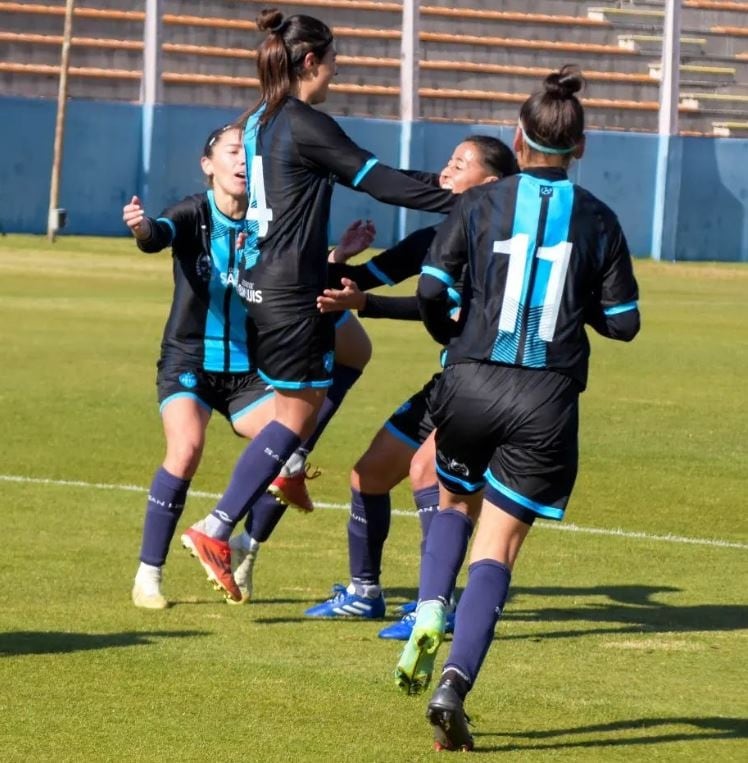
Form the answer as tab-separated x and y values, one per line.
401	630
346	603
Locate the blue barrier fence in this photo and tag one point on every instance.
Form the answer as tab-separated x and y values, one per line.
705	203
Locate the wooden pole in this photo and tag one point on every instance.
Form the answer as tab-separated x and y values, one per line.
53	221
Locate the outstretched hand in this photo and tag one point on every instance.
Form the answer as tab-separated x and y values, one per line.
350	297
134	217
359	235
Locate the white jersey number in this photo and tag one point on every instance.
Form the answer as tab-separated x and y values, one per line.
258	209
517	248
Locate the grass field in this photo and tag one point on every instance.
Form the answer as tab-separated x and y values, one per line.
625	635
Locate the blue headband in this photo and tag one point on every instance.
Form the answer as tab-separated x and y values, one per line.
545	149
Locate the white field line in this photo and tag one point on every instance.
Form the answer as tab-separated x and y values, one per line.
615	532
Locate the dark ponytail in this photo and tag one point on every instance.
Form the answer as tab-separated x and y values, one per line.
280	57
552	119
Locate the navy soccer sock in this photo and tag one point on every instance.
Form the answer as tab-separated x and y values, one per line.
343	378
477	614
446	546
427	503
165	504
368	527
256	468
264	517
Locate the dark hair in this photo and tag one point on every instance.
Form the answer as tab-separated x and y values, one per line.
553	117
214	137
280	57
495	155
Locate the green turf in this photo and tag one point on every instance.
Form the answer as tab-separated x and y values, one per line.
612	647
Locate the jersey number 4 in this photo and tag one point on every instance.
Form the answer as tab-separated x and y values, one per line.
258	209
551	288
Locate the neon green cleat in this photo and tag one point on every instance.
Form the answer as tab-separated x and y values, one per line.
416	665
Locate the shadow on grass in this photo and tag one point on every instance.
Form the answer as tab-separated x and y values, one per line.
57	642
623	734
628	609
633	609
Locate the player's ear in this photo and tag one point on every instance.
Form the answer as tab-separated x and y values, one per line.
489	179
579	150
310	62
206	165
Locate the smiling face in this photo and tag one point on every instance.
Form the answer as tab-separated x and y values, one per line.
465	169
225	164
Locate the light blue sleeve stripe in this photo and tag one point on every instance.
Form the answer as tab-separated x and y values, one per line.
440	275
170	224
455	296
549	512
364	171
470	487
624	308
377	273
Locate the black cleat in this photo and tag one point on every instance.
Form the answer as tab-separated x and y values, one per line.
447	716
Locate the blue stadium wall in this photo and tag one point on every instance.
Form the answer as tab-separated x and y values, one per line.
707	187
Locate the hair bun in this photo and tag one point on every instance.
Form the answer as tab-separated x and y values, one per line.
565	83
270	20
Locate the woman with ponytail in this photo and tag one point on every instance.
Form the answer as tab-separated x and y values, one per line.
294	155
545	257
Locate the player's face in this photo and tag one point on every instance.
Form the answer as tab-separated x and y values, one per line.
464	169
226	165
325	70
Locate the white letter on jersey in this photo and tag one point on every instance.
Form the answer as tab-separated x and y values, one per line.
258	209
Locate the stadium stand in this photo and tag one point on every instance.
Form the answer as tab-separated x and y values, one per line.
477	62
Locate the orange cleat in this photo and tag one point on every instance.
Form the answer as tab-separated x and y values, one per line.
215	557
292	490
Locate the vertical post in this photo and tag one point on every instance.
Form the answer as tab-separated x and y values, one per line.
410	50
54	216
151	88
667	180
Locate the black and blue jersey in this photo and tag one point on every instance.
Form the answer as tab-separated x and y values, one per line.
293	162
544	256
207	322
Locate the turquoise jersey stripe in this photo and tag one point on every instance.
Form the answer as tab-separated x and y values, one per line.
225	336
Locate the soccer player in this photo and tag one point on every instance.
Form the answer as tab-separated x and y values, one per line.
543	257
390	457
204	363
293	154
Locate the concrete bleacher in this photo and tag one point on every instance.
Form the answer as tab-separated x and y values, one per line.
478	61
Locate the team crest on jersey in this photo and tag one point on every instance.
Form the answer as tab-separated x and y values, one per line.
204	266
188	379
328	360
546	190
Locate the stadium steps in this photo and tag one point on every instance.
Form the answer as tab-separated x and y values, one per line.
652	44
728	129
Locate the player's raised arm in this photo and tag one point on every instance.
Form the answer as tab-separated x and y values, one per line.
151	235
322	143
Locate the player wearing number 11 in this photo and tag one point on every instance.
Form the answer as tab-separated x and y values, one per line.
543	258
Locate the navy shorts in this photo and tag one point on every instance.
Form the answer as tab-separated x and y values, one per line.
296	355
512	428
412	423
232	394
